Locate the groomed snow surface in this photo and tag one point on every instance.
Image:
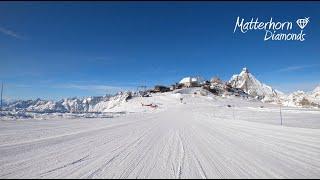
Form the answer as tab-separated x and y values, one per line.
199	138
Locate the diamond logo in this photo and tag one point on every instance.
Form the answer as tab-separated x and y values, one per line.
302	23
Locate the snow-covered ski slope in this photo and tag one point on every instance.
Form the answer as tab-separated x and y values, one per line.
199	138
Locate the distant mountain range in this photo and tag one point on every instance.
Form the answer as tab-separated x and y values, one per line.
245	81
72	105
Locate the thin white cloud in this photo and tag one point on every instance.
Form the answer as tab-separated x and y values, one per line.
89	87
11	33
290	87
94	88
296	68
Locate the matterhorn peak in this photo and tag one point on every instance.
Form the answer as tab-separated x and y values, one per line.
246	81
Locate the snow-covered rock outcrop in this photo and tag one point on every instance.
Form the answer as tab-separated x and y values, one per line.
194	91
114	101
304	99
316	92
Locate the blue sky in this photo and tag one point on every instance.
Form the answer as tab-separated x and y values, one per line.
56	50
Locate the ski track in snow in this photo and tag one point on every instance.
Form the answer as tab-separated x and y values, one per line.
192	140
